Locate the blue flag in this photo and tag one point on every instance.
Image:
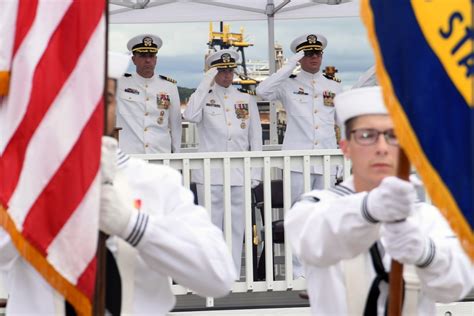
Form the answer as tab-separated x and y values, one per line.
425	64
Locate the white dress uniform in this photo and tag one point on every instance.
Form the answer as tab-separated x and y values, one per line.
173	235
326	229
310	115
227	120
149	113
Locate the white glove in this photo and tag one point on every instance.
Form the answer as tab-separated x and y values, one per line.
293	60
108	159
206	82
115	213
393	200
405	243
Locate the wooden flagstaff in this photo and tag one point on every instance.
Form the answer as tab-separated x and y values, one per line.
395	291
99	293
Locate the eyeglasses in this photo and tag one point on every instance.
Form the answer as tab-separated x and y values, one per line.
369	136
311	53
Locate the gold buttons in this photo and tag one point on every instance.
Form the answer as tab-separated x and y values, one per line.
147	99
146	129
315	111
316	127
146	113
226	97
229	124
316	142
227	110
146	86
146	145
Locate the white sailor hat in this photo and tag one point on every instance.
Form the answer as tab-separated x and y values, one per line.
144	43
117	64
310	41
357	102
223	59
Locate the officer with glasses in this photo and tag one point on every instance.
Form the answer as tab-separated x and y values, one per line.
346	236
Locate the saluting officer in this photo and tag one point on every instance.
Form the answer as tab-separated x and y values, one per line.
148	109
308	98
227	120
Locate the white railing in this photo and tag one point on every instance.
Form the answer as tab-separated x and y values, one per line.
274	165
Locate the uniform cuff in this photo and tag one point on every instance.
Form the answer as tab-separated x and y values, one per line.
428	255
365	212
136	228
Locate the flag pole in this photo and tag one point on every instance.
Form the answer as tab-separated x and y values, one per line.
395	291
100	281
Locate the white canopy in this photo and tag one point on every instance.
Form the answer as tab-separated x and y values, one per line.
165	11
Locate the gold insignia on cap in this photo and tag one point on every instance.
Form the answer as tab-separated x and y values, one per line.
312	39
225	58
147	41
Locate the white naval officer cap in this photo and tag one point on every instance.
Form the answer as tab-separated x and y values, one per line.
358	102
145	43
310	41
222	59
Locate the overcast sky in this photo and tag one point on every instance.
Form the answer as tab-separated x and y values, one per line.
184	44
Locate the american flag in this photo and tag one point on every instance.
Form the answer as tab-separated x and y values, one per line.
51	123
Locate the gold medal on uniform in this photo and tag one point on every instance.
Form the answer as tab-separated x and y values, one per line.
243	125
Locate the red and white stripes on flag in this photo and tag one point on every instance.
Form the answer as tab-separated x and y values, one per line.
51	124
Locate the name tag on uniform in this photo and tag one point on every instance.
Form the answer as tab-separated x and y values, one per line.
213	103
131	90
300	91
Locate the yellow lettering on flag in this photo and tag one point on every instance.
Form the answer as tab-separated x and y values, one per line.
448	29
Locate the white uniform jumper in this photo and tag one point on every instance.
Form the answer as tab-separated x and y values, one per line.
169	237
327	231
149	113
227	120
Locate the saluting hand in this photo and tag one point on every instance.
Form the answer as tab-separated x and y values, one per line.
208	79
293	60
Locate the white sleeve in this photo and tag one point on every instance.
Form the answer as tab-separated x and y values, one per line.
183	243
269	89
323	229
450	276
175	120
193	111
8	252
255	134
